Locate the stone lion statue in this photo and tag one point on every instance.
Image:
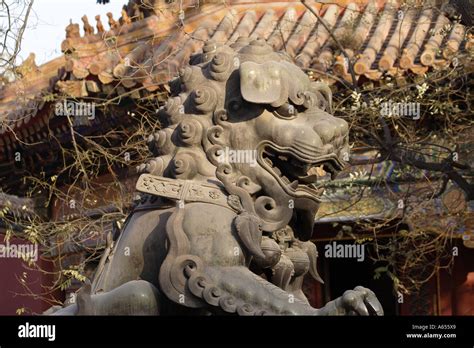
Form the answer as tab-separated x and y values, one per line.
227	205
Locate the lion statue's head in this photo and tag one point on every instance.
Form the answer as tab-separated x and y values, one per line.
245	117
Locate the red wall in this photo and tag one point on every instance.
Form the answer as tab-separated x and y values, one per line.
463	291
12	293
457	286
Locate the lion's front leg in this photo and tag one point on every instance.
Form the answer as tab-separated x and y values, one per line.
238	290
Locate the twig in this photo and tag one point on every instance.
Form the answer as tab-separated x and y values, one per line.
343	51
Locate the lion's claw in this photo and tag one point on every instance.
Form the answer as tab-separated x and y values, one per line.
360	301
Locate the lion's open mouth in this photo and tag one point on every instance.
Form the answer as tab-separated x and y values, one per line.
292	168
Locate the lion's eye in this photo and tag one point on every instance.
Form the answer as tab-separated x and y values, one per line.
285	111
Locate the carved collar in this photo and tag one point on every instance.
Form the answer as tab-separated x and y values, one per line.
186	191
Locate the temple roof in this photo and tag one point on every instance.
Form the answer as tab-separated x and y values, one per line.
145	48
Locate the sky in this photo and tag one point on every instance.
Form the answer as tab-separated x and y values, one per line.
46	27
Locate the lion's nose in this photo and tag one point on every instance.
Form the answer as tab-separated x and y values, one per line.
329	130
342	126
325	131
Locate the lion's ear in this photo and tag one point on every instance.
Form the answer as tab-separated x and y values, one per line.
326	92
261	83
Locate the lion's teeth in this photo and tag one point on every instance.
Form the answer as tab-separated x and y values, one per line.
294	184
277	171
283	158
268	161
285	180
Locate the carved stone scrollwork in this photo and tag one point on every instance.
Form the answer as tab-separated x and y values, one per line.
160	142
221	66
155	166
275	214
190	77
220	117
209	50
173	110
216	135
173	280
228	304
184	166
214	154
246	183
190	132
205	99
